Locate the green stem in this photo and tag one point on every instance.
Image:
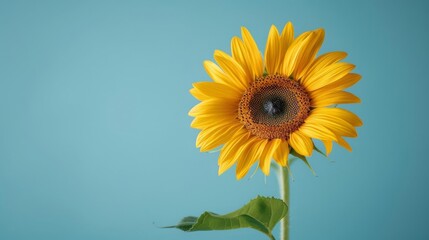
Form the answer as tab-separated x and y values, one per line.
283	178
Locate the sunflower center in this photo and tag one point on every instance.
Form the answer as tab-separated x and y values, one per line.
274	106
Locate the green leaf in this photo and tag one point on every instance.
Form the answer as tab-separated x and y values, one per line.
265	73
318	150
261	213
304	159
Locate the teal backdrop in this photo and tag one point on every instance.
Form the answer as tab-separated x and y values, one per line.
95	140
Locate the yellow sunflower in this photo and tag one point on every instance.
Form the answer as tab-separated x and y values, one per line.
261	108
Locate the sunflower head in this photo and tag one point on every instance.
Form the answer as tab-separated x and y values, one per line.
263	108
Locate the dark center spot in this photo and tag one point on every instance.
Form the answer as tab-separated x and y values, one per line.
274	106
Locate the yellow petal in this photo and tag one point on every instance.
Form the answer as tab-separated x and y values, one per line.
338	126
217	75
232	69
256	56
287	36
209	120
216	90
327	75
229	150
328	146
282	153
319	63
295	52
250	154
301	143
314	130
198	95
241	54
213	138
309	53
345	82
343	143
214	106
340	114
333	98
286	39
207	132
267	155
272	51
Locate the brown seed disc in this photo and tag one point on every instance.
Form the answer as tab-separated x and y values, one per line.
274	106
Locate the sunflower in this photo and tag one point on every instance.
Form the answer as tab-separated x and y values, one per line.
261	108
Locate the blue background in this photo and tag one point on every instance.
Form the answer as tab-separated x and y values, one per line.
95	140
